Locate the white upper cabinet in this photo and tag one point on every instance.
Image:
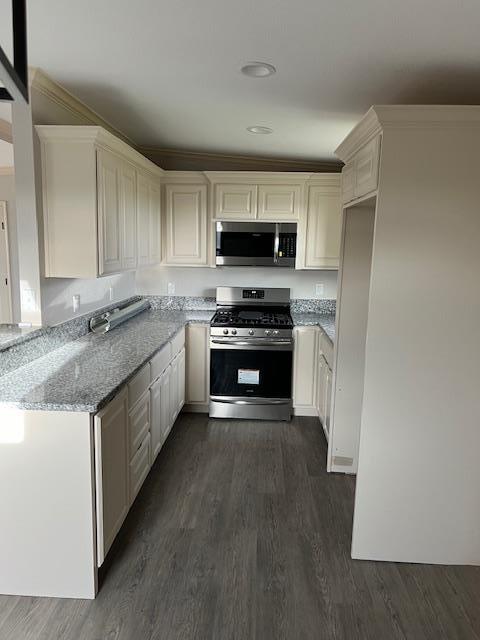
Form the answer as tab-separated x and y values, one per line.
155	213
279	202
323	228
186	224
143	219
360	173
109	214
100	216
128	215
148	220
235	201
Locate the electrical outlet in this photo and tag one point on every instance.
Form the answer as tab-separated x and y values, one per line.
171	288
319	289
110	293
76	302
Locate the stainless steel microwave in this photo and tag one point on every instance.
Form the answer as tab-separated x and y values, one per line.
256	244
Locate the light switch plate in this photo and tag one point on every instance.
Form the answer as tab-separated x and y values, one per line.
110	293
171	288
319	289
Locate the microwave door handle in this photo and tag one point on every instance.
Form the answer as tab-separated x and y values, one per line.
276	243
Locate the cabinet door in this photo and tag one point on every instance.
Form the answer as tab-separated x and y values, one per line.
174	391
197	364
348	182
128	215
304	368
186	224
109	218
111	472
165	412
322	371
154	208
235	201
366	168
143	219
324	226
181	380
156	432
328	400
279	202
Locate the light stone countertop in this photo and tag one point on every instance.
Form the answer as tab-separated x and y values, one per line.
84	374
323	320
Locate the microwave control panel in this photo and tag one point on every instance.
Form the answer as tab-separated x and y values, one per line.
287	245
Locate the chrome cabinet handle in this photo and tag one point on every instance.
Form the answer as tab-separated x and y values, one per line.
276	243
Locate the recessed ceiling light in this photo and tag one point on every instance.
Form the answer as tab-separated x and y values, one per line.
263	130
258	69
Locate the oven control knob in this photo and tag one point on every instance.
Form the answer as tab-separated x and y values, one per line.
234	332
251	332
267	332
225	331
275	333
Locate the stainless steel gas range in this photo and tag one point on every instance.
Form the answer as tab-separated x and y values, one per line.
251	347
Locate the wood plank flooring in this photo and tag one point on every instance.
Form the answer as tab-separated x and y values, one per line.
239	533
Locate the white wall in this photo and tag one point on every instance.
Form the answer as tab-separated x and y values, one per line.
418	485
197	281
7	193
57	295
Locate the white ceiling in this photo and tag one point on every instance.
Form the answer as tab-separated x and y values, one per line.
167	73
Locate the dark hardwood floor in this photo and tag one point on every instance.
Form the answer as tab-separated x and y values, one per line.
239	533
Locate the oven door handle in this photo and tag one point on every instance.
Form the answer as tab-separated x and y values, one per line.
252	343
249	400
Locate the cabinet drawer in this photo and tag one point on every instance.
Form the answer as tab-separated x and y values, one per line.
178	342
161	360
139	468
138	423
138	385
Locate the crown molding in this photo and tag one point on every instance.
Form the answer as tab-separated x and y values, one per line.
183	160
46	86
427	116
368	127
98	136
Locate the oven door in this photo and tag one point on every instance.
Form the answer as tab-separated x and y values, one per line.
251	374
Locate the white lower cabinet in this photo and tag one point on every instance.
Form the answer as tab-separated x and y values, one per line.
111	471
304	370
312	374
177	385
129	433
197	376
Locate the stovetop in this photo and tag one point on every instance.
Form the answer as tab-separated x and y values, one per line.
252	317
